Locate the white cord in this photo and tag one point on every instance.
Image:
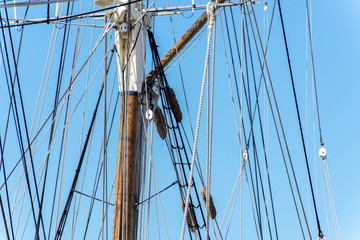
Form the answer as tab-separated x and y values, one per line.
211	13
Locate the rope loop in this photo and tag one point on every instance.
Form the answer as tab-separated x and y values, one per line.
210	9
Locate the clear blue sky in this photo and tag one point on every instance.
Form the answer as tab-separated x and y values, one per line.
336	37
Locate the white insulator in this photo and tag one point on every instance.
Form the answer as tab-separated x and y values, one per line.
322	153
104	3
322	238
266	7
149	114
245	156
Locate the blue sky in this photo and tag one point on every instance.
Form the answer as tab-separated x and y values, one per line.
338	68
335	38
336	58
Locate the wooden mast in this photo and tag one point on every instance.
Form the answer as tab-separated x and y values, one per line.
130	146
125	214
131	127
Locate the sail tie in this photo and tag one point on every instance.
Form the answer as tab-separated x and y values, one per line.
211	15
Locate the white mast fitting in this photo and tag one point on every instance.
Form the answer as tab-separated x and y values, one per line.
135	70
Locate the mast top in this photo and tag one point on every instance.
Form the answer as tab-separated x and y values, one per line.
104	3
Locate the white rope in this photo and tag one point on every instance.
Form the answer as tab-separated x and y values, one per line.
331	199
109	198
156	188
59	114
210	132
324	192
146	234
242	43
37	104
43	78
211	13
47	63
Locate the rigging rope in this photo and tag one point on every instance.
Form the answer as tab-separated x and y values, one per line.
211	15
99	166
57	94
281	127
320	234
68	202
249	109
83	119
325	202
72	17
210	110
5	222
259	88
38	133
184	92
175	142
66	92
313	70
2	164
17	118
262	135
240	105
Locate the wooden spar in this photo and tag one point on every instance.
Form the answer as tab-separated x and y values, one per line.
130	143
181	43
130	151
125	214
131	127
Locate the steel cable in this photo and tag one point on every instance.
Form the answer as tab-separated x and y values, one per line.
69	199
320	234
2	164
262	138
58	86
281	126
16	113
313	71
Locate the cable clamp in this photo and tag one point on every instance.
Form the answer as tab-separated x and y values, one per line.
321	236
